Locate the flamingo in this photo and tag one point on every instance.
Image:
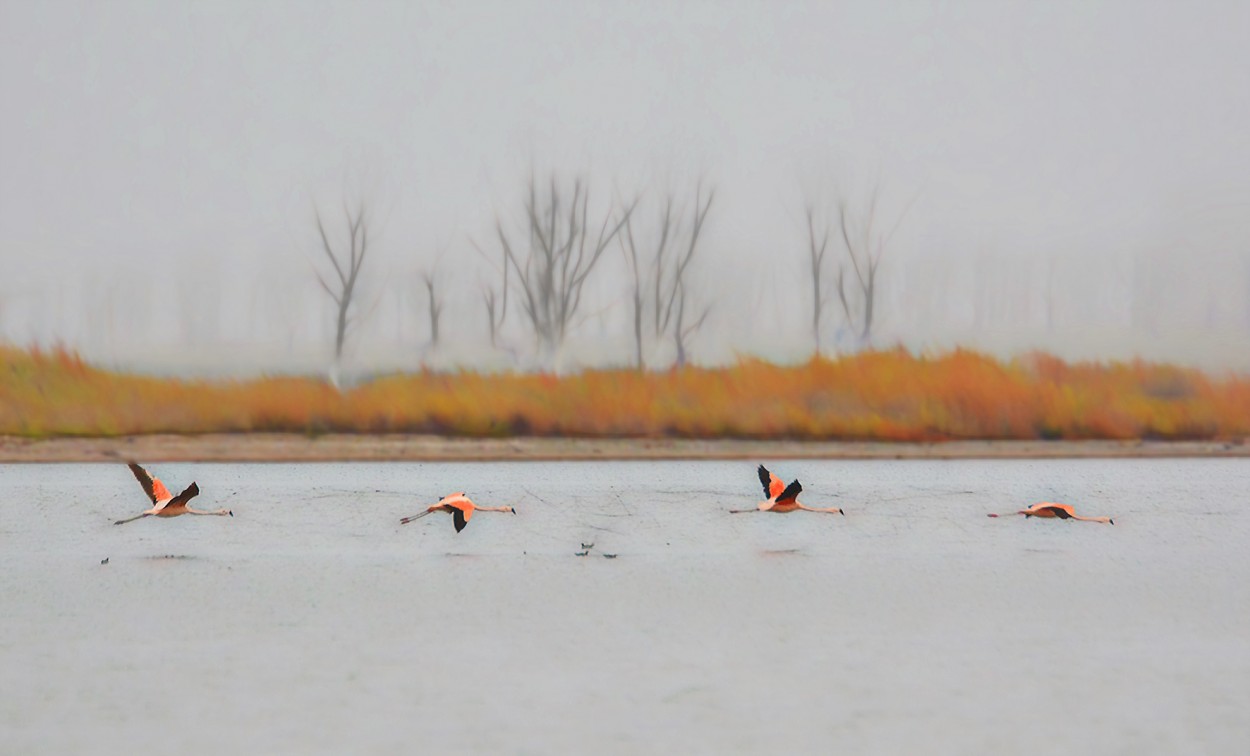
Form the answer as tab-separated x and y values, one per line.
459	506
1062	511
782	498
165	504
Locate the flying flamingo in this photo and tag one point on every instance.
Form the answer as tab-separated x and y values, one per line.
165	504
459	506
782	498
1062	511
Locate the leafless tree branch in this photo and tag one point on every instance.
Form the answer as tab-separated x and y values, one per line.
865	248
665	267
551	273
434	303
347	267
817	247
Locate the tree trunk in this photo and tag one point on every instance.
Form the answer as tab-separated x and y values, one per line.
340	333
679	341
638	363
870	295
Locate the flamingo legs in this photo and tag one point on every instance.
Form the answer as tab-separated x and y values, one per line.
139	516
409	519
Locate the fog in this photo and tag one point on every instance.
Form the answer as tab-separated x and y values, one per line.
1070	177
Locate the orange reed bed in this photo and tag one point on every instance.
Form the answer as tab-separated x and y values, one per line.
882	396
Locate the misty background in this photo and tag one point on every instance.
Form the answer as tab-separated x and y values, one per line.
1073	177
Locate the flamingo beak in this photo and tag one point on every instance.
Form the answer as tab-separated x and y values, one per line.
841	512
1110	521
513	509
231	511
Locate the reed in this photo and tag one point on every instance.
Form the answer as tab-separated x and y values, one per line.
880	396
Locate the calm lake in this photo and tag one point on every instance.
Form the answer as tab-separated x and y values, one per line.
313	622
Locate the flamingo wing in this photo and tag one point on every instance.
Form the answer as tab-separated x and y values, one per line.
772	484
189	493
453	498
791	493
147	481
460	507
1062	511
160	491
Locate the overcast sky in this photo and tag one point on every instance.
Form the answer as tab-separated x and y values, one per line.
172	142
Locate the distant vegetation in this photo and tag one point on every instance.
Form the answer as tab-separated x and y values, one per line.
884	395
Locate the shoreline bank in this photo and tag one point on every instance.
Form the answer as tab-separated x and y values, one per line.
283	447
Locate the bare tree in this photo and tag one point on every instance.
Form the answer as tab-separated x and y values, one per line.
630	247
434	303
496	307
865	246
346	272
495	300
631	256
672	289
560	254
1050	294
816	250
667	266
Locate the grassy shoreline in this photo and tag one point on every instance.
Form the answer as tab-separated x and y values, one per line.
871	397
289	447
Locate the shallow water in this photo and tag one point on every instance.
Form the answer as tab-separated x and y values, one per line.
313	622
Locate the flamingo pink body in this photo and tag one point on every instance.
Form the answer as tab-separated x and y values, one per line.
164	504
782	498
459	506
1052	510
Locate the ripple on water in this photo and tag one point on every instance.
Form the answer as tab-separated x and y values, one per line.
316	624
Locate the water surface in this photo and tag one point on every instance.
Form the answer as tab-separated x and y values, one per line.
313	622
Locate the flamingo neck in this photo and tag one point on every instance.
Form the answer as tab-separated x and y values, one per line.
1093	519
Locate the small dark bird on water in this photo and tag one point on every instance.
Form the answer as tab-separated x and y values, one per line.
588	546
105	560
580	553
609	556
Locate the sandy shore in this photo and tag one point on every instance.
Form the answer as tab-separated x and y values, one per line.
277	447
